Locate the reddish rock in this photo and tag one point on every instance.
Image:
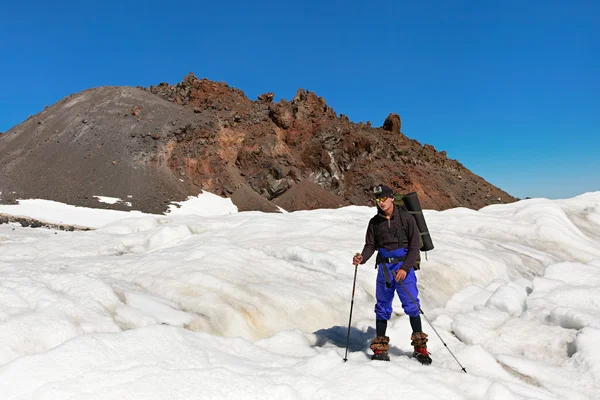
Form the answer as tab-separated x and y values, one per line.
213	138
135	111
281	114
392	123
266	97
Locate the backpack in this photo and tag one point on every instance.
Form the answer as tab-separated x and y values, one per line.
410	204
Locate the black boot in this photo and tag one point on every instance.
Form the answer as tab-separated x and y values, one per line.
383	356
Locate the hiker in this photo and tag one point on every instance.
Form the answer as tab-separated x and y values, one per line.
394	234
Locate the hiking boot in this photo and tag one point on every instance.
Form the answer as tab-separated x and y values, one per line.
381	356
419	341
380	346
422	355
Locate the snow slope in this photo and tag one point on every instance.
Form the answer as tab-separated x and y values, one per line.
253	305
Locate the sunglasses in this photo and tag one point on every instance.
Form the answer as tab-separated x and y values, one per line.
381	199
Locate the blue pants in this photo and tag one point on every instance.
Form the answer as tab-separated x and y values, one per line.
385	295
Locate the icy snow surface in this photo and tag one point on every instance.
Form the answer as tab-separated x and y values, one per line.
205	204
255	306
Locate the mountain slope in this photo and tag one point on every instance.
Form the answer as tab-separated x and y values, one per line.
160	144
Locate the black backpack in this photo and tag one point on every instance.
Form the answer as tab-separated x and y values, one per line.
409	205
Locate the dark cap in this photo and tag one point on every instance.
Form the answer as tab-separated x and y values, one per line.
383	191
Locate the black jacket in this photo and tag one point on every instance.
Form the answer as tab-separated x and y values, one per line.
398	231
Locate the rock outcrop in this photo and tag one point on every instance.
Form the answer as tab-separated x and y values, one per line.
151	146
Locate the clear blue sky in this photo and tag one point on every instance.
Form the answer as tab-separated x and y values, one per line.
509	88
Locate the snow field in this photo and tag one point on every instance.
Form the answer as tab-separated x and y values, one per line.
256	305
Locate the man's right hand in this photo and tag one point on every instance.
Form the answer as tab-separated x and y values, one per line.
357	259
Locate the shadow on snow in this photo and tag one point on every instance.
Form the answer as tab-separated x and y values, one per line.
359	340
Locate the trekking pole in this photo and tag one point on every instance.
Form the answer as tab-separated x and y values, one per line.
351	306
436	332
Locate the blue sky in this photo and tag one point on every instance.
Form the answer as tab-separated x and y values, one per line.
511	89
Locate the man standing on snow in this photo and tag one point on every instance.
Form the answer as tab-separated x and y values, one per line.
394	234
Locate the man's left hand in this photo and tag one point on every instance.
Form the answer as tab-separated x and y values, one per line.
400	275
